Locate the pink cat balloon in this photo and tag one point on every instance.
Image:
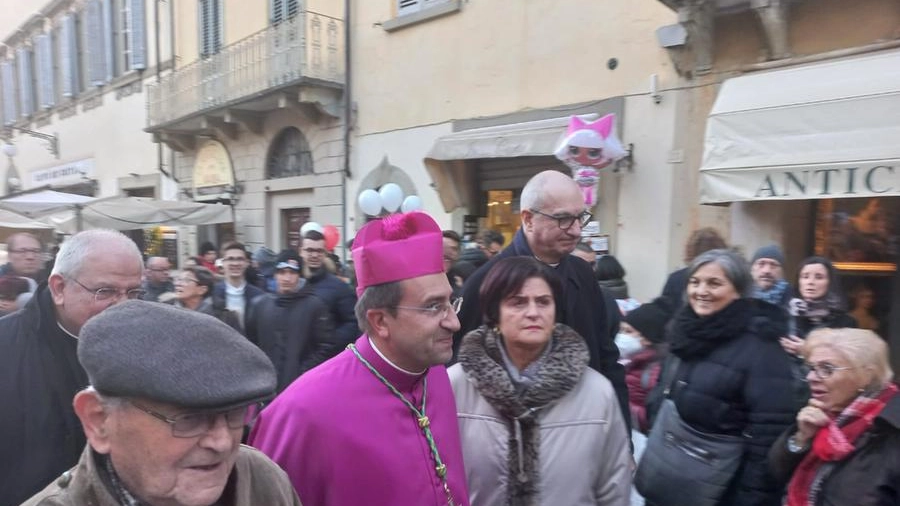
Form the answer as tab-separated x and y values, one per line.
588	147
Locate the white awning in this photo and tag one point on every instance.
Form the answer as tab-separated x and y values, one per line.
825	130
446	160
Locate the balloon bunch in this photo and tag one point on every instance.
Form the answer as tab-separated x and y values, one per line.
332	236
390	198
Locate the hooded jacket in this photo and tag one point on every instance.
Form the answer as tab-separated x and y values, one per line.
294	329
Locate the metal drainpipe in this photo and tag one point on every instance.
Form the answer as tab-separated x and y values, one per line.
348	116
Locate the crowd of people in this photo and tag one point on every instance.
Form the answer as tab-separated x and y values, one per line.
516	372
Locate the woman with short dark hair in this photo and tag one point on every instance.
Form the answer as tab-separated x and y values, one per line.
194	289
538	427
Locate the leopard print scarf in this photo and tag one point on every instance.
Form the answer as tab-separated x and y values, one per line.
481	359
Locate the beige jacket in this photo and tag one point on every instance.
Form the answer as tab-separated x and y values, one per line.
259	482
584	456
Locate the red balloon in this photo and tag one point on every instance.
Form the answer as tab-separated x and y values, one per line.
332	236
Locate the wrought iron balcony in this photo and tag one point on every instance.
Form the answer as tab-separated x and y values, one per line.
303	53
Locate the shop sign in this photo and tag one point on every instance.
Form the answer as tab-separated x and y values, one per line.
213	177
70	173
860	180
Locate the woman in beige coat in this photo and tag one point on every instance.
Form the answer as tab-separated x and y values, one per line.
538	427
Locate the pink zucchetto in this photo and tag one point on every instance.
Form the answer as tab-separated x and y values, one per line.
397	247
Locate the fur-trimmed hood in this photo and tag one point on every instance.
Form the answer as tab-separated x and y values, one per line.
481	359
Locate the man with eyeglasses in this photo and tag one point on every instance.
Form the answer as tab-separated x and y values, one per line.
553	214
377	423
163	422
157	278
234	293
39	370
26	259
336	294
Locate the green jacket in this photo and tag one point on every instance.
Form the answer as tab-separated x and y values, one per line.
259	481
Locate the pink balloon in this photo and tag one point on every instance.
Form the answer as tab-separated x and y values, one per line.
332	236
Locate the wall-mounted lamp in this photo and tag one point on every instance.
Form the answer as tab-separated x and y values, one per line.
13	182
654	89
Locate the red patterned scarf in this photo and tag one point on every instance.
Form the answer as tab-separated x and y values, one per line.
834	442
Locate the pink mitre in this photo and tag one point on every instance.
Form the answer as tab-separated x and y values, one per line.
396	247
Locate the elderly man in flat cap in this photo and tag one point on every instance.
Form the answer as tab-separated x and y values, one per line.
377	423
171	392
39	369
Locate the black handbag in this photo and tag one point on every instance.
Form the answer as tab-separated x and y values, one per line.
682	466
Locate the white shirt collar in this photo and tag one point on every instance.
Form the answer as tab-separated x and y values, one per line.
66	331
395	366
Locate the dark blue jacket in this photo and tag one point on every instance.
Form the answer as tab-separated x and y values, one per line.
341	301
584	308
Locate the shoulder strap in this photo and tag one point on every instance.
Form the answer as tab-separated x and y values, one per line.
674	363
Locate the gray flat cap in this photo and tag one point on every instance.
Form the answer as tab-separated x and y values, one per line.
172	355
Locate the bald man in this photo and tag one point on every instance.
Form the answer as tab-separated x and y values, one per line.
553	213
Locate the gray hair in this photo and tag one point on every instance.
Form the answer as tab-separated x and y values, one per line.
532	196
108	401
383	296
78	248
863	348
732	263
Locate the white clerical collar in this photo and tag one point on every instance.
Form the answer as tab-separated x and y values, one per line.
66	331
395	366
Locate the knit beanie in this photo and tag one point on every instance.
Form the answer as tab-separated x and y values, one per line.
650	319
771	251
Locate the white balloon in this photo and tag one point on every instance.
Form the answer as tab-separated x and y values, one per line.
310	225
391	196
370	202
411	203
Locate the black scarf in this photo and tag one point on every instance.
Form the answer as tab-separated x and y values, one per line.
559	372
692	336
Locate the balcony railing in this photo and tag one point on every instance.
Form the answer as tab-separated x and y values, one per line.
309	45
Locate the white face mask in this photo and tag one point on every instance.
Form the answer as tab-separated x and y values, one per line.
628	344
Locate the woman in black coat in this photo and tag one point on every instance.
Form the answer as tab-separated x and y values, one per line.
819	303
733	377
845	446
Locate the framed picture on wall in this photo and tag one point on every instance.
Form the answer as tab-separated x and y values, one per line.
861	235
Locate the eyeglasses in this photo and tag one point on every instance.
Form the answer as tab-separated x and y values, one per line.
106	293
566	221
183	280
158	269
314	251
194	424
823	371
441	309
27	251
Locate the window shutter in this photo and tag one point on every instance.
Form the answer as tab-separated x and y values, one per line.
95	43
44	49
210	27
7	75
68	48
26	80
109	40
276	7
137	38
291	8
407	6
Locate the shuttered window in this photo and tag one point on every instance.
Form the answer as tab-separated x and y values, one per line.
110	66
409	6
8	80
44	67
136	35
96	43
68	53
210	27
25	62
283	9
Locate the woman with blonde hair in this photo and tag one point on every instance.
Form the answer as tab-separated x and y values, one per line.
845	446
